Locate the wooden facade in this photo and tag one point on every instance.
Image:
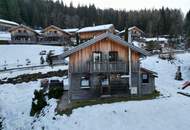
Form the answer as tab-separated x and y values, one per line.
23	35
101	67
80	61
53	35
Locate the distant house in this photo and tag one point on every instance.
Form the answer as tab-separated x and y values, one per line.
106	66
73	32
88	33
136	33
53	35
5	25
23	35
163	42
5	37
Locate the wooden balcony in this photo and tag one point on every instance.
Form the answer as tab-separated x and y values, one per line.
106	66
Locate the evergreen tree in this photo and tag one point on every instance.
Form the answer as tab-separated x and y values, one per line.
4	14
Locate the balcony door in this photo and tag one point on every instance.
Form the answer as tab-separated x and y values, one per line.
97	59
97	56
113	58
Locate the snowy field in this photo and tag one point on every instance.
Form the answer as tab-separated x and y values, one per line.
171	111
13	55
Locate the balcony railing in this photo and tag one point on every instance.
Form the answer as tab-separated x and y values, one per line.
106	66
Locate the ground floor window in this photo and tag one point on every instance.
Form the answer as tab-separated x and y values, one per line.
145	78
85	82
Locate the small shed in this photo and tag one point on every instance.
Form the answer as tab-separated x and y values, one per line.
147	81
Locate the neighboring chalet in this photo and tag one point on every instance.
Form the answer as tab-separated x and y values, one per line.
23	35
5	25
53	35
88	33
136	33
73	32
107	66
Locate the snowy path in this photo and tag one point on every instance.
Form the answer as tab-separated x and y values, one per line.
170	113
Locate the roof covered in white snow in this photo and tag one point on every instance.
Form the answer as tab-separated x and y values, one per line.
71	30
156	39
5	36
96	28
8	22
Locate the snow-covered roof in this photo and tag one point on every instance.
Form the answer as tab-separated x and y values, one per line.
38	31
123	31
101	37
71	30
134	27
8	22
156	39
96	28
5	36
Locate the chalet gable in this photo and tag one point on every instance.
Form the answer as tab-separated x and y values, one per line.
23	27
110	36
54	28
134	28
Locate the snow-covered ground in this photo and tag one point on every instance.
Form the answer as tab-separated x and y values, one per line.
13	55
168	112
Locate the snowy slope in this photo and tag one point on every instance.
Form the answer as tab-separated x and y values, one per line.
168	112
17	54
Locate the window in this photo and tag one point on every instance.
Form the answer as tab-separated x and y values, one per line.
97	56
85	82
24	31
104	80
113	56
145	78
19	31
55	32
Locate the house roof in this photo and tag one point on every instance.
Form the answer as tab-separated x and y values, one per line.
134	27
23	26
96	28
101	37
8	22
71	30
55	27
149	71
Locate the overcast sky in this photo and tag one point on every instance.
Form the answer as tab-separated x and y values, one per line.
184	5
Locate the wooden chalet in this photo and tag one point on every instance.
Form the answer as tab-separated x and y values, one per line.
53	35
88	33
136	33
107	66
23	35
5	25
73	32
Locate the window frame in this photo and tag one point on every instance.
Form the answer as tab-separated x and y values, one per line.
84	86
147	80
93	58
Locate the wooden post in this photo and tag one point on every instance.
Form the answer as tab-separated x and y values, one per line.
130	66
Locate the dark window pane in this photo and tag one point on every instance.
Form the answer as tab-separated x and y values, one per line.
113	56
145	78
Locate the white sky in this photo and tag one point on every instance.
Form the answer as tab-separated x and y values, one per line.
184	5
